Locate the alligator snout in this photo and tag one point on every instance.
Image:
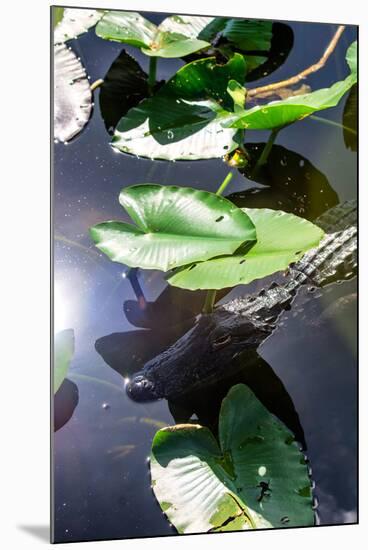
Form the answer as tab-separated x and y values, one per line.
140	388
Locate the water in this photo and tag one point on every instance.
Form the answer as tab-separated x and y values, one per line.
102	482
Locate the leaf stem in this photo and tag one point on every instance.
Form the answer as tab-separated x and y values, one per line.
209	301
224	184
96	84
211	294
266	151
300	76
152	74
333	123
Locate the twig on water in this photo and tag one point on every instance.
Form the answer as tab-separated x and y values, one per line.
302	75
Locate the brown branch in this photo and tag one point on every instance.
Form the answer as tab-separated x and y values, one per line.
312	69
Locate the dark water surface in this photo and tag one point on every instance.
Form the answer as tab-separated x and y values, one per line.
101	480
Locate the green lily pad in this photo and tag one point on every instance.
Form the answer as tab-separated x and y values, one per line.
277	114
63	353
248	34
183	120
255	477
281	239
265	45
174	226
175	37
71	22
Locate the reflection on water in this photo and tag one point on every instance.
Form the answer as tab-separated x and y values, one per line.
65	401
123	318
290	181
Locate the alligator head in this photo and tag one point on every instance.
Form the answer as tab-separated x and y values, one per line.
201	354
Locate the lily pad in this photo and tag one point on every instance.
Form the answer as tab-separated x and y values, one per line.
174	226
175	37
72	22
72	94
248	34
281	239
265	45
277	114
254	477
184	119
63	353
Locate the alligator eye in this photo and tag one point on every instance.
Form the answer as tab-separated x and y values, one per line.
221	341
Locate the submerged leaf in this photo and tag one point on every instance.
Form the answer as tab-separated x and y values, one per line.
72	94
63	353
73	22
174	226
255	477
281	239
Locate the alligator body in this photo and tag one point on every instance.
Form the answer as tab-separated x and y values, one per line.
244	323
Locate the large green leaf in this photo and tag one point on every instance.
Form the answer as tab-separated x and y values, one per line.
183	120
63	353
175	37
281	239
206	486
189	132
72	94
72	22
277	114
174	226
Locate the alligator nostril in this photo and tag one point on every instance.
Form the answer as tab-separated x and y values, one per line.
141	389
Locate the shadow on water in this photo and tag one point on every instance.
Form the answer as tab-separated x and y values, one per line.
350	119
122	352
127	352
291	183
65	401
173	307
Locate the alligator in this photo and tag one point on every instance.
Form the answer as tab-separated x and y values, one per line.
203	353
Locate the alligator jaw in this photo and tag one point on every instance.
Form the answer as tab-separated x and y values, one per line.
204	352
